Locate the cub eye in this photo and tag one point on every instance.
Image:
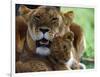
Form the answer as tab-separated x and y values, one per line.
69	37
64	47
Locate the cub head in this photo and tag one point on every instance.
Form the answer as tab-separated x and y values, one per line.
61	47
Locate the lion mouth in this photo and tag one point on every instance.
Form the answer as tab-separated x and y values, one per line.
43	42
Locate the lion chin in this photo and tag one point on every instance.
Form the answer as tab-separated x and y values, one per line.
43	51
43	47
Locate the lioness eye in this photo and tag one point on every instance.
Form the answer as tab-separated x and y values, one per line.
53	19
37	17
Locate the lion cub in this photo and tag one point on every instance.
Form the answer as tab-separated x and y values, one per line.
62	53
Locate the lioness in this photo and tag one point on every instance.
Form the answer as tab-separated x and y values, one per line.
41	26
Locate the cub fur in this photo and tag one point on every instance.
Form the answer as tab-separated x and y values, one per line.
63	53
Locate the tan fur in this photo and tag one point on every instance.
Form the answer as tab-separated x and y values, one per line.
21	28
33	65
61	49
22	22
79	40
44	16
26	20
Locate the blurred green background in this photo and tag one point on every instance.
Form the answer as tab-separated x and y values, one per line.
85	18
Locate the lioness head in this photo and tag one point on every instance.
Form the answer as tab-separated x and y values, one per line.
44	23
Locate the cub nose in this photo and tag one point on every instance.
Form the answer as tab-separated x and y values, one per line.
44	30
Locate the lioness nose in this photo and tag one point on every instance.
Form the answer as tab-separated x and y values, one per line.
44	30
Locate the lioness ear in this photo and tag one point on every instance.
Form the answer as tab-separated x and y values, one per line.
69	14
24	12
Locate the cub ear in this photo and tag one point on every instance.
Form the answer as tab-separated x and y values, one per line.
24	12
69	14
69	36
